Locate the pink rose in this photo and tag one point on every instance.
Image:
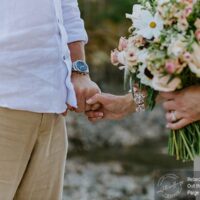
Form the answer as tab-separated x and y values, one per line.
170	67
123	43
173	66
197	34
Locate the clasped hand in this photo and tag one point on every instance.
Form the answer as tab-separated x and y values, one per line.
97	105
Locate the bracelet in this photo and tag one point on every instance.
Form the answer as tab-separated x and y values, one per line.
139	99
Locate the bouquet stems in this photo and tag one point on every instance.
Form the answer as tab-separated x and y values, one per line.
184	144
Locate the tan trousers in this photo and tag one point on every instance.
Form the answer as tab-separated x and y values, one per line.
33	150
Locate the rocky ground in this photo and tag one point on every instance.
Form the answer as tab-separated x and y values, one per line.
105	181
128	132
112	161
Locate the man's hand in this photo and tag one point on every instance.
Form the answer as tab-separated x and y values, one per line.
113	107
85	88
182	107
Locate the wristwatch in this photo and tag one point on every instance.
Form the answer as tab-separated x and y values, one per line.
80	66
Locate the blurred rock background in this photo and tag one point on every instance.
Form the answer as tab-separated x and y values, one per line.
113	160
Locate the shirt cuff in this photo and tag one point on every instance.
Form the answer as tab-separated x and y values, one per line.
78	37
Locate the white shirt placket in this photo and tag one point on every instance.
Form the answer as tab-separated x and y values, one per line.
71	98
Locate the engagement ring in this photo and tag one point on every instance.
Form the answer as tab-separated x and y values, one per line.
174	118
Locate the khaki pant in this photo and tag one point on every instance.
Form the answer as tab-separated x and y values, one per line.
33	150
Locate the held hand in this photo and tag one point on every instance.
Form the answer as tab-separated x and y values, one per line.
85	88
182	107
113	107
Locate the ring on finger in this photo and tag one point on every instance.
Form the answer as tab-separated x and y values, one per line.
174	116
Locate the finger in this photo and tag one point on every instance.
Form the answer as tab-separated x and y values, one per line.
169	105
92	114
70	107
170	118
97	98
88	107
64	114
168	95
96	106
81	105
178	125
95	119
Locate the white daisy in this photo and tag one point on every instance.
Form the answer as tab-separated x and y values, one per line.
137	8
145	23
148	26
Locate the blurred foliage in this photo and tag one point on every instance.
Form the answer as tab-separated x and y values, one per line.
107	9
105	23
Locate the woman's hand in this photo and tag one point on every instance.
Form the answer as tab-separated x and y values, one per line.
113	107
182	107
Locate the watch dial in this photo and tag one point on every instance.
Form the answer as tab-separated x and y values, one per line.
81	66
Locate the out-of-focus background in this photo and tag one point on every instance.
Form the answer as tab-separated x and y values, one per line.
113	160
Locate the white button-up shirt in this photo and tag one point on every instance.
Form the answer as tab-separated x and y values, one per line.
35	64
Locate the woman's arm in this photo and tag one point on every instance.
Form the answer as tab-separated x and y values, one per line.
113	107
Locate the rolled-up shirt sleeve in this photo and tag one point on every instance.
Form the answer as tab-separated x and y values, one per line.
73	23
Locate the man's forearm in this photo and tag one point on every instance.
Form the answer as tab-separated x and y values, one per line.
77	50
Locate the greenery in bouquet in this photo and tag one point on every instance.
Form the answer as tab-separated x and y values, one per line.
162	55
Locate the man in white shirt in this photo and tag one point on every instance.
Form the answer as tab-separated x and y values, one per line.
40	41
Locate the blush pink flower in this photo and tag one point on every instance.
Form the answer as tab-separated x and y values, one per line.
188	11
123	43
170	66
114	57
187	56
173	66
131	56
118	57
197	34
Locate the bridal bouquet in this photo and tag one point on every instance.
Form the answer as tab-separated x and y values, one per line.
162	53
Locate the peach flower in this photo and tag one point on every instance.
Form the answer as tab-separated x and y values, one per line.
164	84
123	43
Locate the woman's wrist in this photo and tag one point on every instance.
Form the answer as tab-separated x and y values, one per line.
129	103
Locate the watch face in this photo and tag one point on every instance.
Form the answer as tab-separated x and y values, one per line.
81	66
